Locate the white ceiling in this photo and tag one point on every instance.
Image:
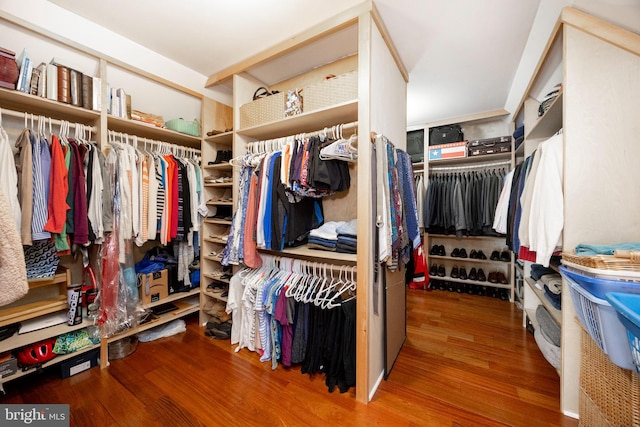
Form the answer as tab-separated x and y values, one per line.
461	55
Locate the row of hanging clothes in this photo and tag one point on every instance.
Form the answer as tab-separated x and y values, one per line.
462	200
396	211
282	182
297	313
159	195
53	183
531	212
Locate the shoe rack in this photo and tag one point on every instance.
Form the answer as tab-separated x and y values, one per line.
218	181
477	265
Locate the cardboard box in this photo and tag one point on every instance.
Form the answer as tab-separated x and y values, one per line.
80	363
154	286
8	365
455	150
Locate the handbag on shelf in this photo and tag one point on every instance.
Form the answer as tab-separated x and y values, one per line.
445	134
262	91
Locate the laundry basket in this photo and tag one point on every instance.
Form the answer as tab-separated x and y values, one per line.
598	317
628	309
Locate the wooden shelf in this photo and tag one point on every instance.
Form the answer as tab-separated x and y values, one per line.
217	203
212	277
218	167
146	130
472	282
215	296
31	310
453	236
220	184
173	297
305	122
217	221
37	105
20	340
56	360
225	138
466	160
555	313
185	307
549	123
480	261
319	255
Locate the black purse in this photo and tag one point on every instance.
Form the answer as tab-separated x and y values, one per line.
262	91
445	134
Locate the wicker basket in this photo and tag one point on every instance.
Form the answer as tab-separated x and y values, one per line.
609	395
182	126
604	262
332	91
264	110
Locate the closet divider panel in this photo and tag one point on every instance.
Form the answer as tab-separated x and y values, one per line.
388	99
602	148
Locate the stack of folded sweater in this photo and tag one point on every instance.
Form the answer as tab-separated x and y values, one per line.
337	236
347	237
325	237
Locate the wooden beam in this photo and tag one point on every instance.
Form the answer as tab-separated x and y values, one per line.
330	26
606	31
471	117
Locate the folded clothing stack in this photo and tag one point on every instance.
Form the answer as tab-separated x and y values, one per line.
337	236
552	284
325	237
347	238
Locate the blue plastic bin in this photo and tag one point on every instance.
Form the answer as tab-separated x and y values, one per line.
599	319
628	309
599	287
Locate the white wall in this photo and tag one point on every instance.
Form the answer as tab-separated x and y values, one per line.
60	21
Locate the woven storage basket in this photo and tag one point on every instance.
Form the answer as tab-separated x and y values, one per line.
183	126
604	262
609	395
330	92
263	110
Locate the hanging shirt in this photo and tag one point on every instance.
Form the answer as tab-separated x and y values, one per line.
25	181
41	167
58	189
9	178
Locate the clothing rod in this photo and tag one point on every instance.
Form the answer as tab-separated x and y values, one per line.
142	139
23	115
275	144
477	166
287	262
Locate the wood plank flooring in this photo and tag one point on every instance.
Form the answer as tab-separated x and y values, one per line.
466	362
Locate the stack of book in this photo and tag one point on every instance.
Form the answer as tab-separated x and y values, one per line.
119	104
58	82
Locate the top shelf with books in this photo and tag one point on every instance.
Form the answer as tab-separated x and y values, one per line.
32	104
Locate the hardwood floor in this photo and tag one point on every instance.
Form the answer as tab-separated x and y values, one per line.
466	362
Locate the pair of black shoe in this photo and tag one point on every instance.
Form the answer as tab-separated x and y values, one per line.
437	250
500	256
459	253
459	273
437	271
477	275
222	156
477	254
